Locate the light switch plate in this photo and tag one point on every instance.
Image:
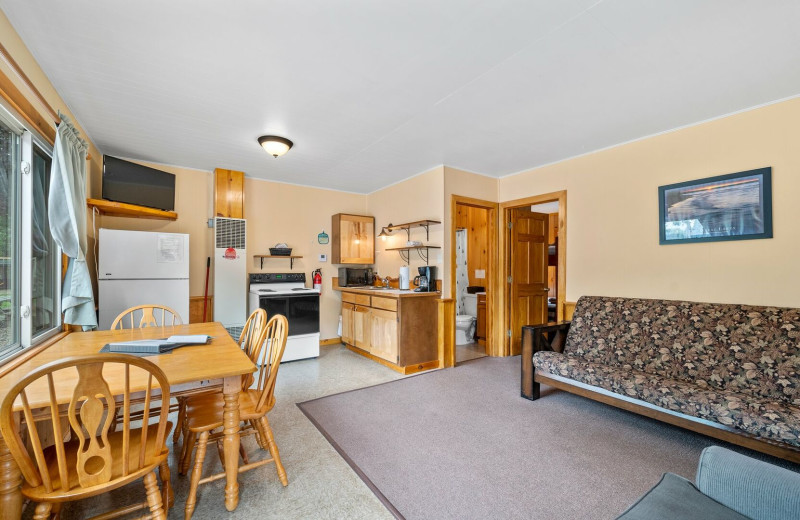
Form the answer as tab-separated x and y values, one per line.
480	273
323	257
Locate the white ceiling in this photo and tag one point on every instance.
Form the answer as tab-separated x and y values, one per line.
372	92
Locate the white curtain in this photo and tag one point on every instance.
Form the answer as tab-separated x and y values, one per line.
67	215
462	278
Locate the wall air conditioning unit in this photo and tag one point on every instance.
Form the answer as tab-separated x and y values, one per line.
230	273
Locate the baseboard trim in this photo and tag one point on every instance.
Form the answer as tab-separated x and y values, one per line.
329	341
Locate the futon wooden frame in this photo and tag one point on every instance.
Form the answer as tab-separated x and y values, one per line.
552	337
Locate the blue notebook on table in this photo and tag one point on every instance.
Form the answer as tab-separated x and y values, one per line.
151	347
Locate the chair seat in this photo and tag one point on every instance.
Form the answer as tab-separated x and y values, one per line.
135	472
676	498
204	412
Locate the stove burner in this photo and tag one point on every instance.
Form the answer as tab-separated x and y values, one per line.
300	289
266	290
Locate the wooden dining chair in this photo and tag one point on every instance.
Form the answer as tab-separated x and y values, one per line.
131	317
204	414
96	460
251	339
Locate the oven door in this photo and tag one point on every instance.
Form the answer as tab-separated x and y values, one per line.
302	311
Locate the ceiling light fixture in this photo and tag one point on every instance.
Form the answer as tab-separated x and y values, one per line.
274	145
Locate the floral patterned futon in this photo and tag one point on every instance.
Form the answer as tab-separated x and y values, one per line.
736	365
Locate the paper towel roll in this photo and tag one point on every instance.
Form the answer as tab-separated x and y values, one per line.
404	278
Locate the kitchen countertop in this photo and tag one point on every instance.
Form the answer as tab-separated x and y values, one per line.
392	293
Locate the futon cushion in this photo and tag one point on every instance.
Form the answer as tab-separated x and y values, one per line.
676	498
766	418
744	349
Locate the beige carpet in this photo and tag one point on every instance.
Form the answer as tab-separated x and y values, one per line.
461	443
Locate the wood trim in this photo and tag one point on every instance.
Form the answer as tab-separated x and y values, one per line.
25	355
25	108
122	209
502	309
28	83
493	324
717	431
405	370
569	310
19	101
446	341
329	341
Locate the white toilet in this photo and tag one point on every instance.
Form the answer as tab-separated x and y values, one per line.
465	323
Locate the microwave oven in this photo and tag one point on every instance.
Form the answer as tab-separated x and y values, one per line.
355	276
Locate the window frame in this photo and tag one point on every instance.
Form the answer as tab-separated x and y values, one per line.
30	140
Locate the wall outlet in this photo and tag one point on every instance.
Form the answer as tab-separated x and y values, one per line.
480	273
323	257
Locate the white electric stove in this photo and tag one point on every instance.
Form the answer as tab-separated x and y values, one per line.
287	294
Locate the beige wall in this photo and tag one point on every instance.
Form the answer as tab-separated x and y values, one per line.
417	198
193	201
295	215
612	213
25	60
465	184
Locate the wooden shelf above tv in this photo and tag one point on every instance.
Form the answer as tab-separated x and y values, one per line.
120	209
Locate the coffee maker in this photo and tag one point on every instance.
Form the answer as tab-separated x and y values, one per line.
426	281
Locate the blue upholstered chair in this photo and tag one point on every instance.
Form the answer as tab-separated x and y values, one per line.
729	486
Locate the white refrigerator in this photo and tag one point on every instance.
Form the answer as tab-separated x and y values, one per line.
139	268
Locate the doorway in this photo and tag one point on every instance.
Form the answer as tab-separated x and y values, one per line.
473	274
533	260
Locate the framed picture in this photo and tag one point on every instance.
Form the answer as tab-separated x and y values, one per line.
737	206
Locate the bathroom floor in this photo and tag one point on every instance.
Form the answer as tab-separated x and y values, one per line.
469	351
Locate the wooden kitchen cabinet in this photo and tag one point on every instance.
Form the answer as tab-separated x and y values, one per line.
480	329
361	327
384	335
352	239
348	311
398	329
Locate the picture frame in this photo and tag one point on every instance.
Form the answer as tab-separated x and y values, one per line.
736	206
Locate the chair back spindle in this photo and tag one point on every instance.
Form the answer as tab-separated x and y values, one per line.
252	341
277	330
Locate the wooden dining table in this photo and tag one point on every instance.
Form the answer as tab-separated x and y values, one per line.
220	363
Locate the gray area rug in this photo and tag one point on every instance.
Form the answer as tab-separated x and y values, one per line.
461	443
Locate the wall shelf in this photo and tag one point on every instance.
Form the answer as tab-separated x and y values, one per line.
290	257
417	223
121	209
405	252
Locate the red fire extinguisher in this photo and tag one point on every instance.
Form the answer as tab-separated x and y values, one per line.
318	280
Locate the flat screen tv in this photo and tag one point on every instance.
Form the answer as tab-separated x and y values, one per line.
124	181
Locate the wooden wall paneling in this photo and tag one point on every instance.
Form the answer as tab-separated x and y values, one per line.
228	193
447	332
502	308
196	309
569	310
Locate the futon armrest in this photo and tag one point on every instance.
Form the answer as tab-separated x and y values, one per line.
551	336
538	338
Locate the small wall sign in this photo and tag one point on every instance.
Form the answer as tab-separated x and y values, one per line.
323	237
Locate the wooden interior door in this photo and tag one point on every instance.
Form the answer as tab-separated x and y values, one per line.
528	284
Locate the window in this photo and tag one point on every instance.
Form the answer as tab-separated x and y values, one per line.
9	240
30	261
